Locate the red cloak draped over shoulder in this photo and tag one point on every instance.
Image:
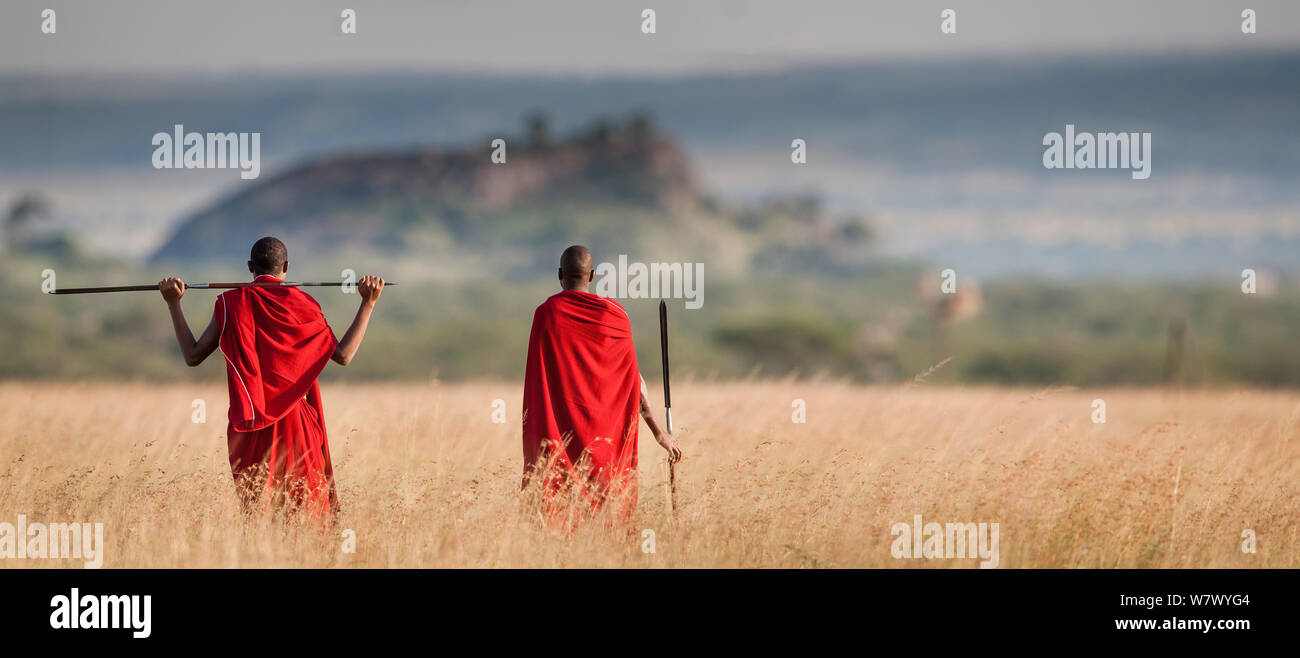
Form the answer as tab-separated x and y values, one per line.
581	397
276	343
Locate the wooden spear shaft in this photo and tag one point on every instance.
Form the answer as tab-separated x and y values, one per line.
668	403
217	286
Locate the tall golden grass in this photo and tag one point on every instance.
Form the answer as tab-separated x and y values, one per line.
426	479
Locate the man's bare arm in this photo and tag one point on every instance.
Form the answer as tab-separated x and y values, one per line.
369	288
665	439
194	351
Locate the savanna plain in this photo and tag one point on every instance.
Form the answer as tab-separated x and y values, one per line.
429	476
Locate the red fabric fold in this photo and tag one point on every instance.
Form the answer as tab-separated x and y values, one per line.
581	398
276	342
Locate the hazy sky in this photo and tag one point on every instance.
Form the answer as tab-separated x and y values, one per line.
602	36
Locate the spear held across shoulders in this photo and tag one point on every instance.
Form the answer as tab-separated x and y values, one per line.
216	286
275	342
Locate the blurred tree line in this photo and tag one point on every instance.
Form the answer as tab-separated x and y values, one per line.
873	325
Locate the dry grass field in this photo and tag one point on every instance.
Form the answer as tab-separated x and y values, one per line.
426	479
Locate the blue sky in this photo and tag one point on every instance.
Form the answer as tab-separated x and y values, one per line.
602	37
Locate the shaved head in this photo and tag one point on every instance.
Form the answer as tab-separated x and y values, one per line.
268	256
576	267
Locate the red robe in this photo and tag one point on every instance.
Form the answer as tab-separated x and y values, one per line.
581	397
276	342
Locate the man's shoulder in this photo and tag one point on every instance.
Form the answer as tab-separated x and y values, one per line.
547	303
306	296
584	298
613	304
615	308
571	301
222	301
295	301
545	309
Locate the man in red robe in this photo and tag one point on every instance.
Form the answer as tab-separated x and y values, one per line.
276	342
582	394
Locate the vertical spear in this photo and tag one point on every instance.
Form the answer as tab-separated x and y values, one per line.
668	403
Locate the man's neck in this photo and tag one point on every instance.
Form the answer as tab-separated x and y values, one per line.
579	287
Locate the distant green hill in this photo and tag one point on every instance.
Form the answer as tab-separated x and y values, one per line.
618	188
